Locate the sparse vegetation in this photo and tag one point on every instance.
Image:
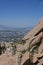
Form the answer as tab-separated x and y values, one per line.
14	49
23	51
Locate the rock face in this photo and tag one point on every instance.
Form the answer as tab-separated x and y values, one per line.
34	39
24	58
9	51
31	53
34	31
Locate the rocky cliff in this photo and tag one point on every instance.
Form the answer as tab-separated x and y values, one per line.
30	53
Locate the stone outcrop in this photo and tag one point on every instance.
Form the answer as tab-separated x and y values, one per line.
31	53
34	41
25	57
34	31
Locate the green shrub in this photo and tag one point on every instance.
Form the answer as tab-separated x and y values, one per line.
14	49
23	51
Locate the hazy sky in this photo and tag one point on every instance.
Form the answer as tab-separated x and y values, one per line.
20	13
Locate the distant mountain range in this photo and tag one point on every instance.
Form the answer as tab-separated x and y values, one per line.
2	27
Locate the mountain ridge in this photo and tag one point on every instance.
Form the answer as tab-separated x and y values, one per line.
2	27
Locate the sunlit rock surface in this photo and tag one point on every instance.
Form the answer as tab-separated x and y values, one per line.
30	53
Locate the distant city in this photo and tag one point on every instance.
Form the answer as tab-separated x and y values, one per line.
12	34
